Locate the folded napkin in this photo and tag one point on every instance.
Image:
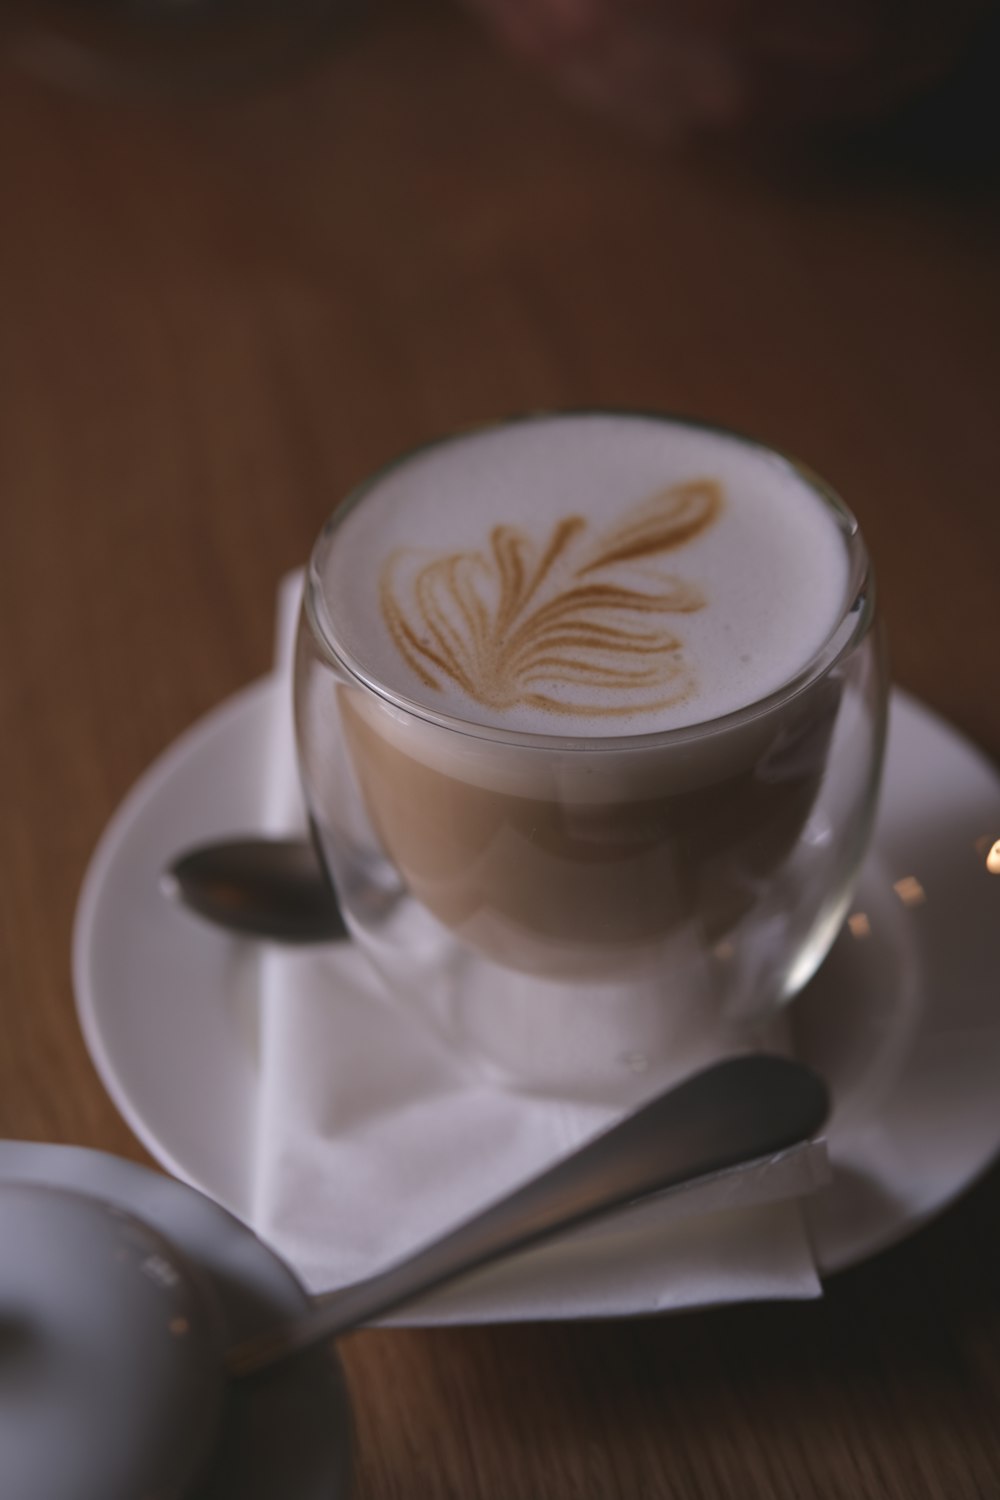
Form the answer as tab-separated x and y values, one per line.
371	1139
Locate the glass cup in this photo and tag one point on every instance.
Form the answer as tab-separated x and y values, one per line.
594	915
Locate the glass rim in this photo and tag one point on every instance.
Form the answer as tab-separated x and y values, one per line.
848	630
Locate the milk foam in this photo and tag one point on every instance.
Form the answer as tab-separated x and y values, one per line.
745	590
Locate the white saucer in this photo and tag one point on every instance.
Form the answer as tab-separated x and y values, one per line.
286	1434
903	1020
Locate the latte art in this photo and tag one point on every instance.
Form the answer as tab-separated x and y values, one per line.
585	575
529	623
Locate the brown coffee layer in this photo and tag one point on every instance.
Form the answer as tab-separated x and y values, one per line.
553	887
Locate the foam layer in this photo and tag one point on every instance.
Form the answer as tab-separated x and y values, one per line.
594	575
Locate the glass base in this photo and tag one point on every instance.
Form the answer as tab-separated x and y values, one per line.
610	1043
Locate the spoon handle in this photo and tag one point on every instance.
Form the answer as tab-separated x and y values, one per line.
739	1109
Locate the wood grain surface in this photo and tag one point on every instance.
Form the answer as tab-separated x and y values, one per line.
216	317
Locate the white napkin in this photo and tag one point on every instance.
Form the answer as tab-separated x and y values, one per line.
371	1139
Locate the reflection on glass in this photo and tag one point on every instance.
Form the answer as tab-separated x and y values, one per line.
859	925
909	890
993	858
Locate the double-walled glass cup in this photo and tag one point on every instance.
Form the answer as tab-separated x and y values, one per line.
587	914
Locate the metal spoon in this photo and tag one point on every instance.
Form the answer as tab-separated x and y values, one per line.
733	1112
730	1113
263	887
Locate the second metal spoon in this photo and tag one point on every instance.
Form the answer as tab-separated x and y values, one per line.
158	1332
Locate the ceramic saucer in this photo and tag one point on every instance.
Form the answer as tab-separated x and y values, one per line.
903	1019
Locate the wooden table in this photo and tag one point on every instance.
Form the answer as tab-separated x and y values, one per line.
213	320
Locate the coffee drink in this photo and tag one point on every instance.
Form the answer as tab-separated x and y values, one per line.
584	668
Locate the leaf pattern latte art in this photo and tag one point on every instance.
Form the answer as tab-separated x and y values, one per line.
574	625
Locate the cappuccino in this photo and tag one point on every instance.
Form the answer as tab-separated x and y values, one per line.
580	669
586	576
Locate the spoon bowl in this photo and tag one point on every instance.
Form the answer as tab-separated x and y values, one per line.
261	887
